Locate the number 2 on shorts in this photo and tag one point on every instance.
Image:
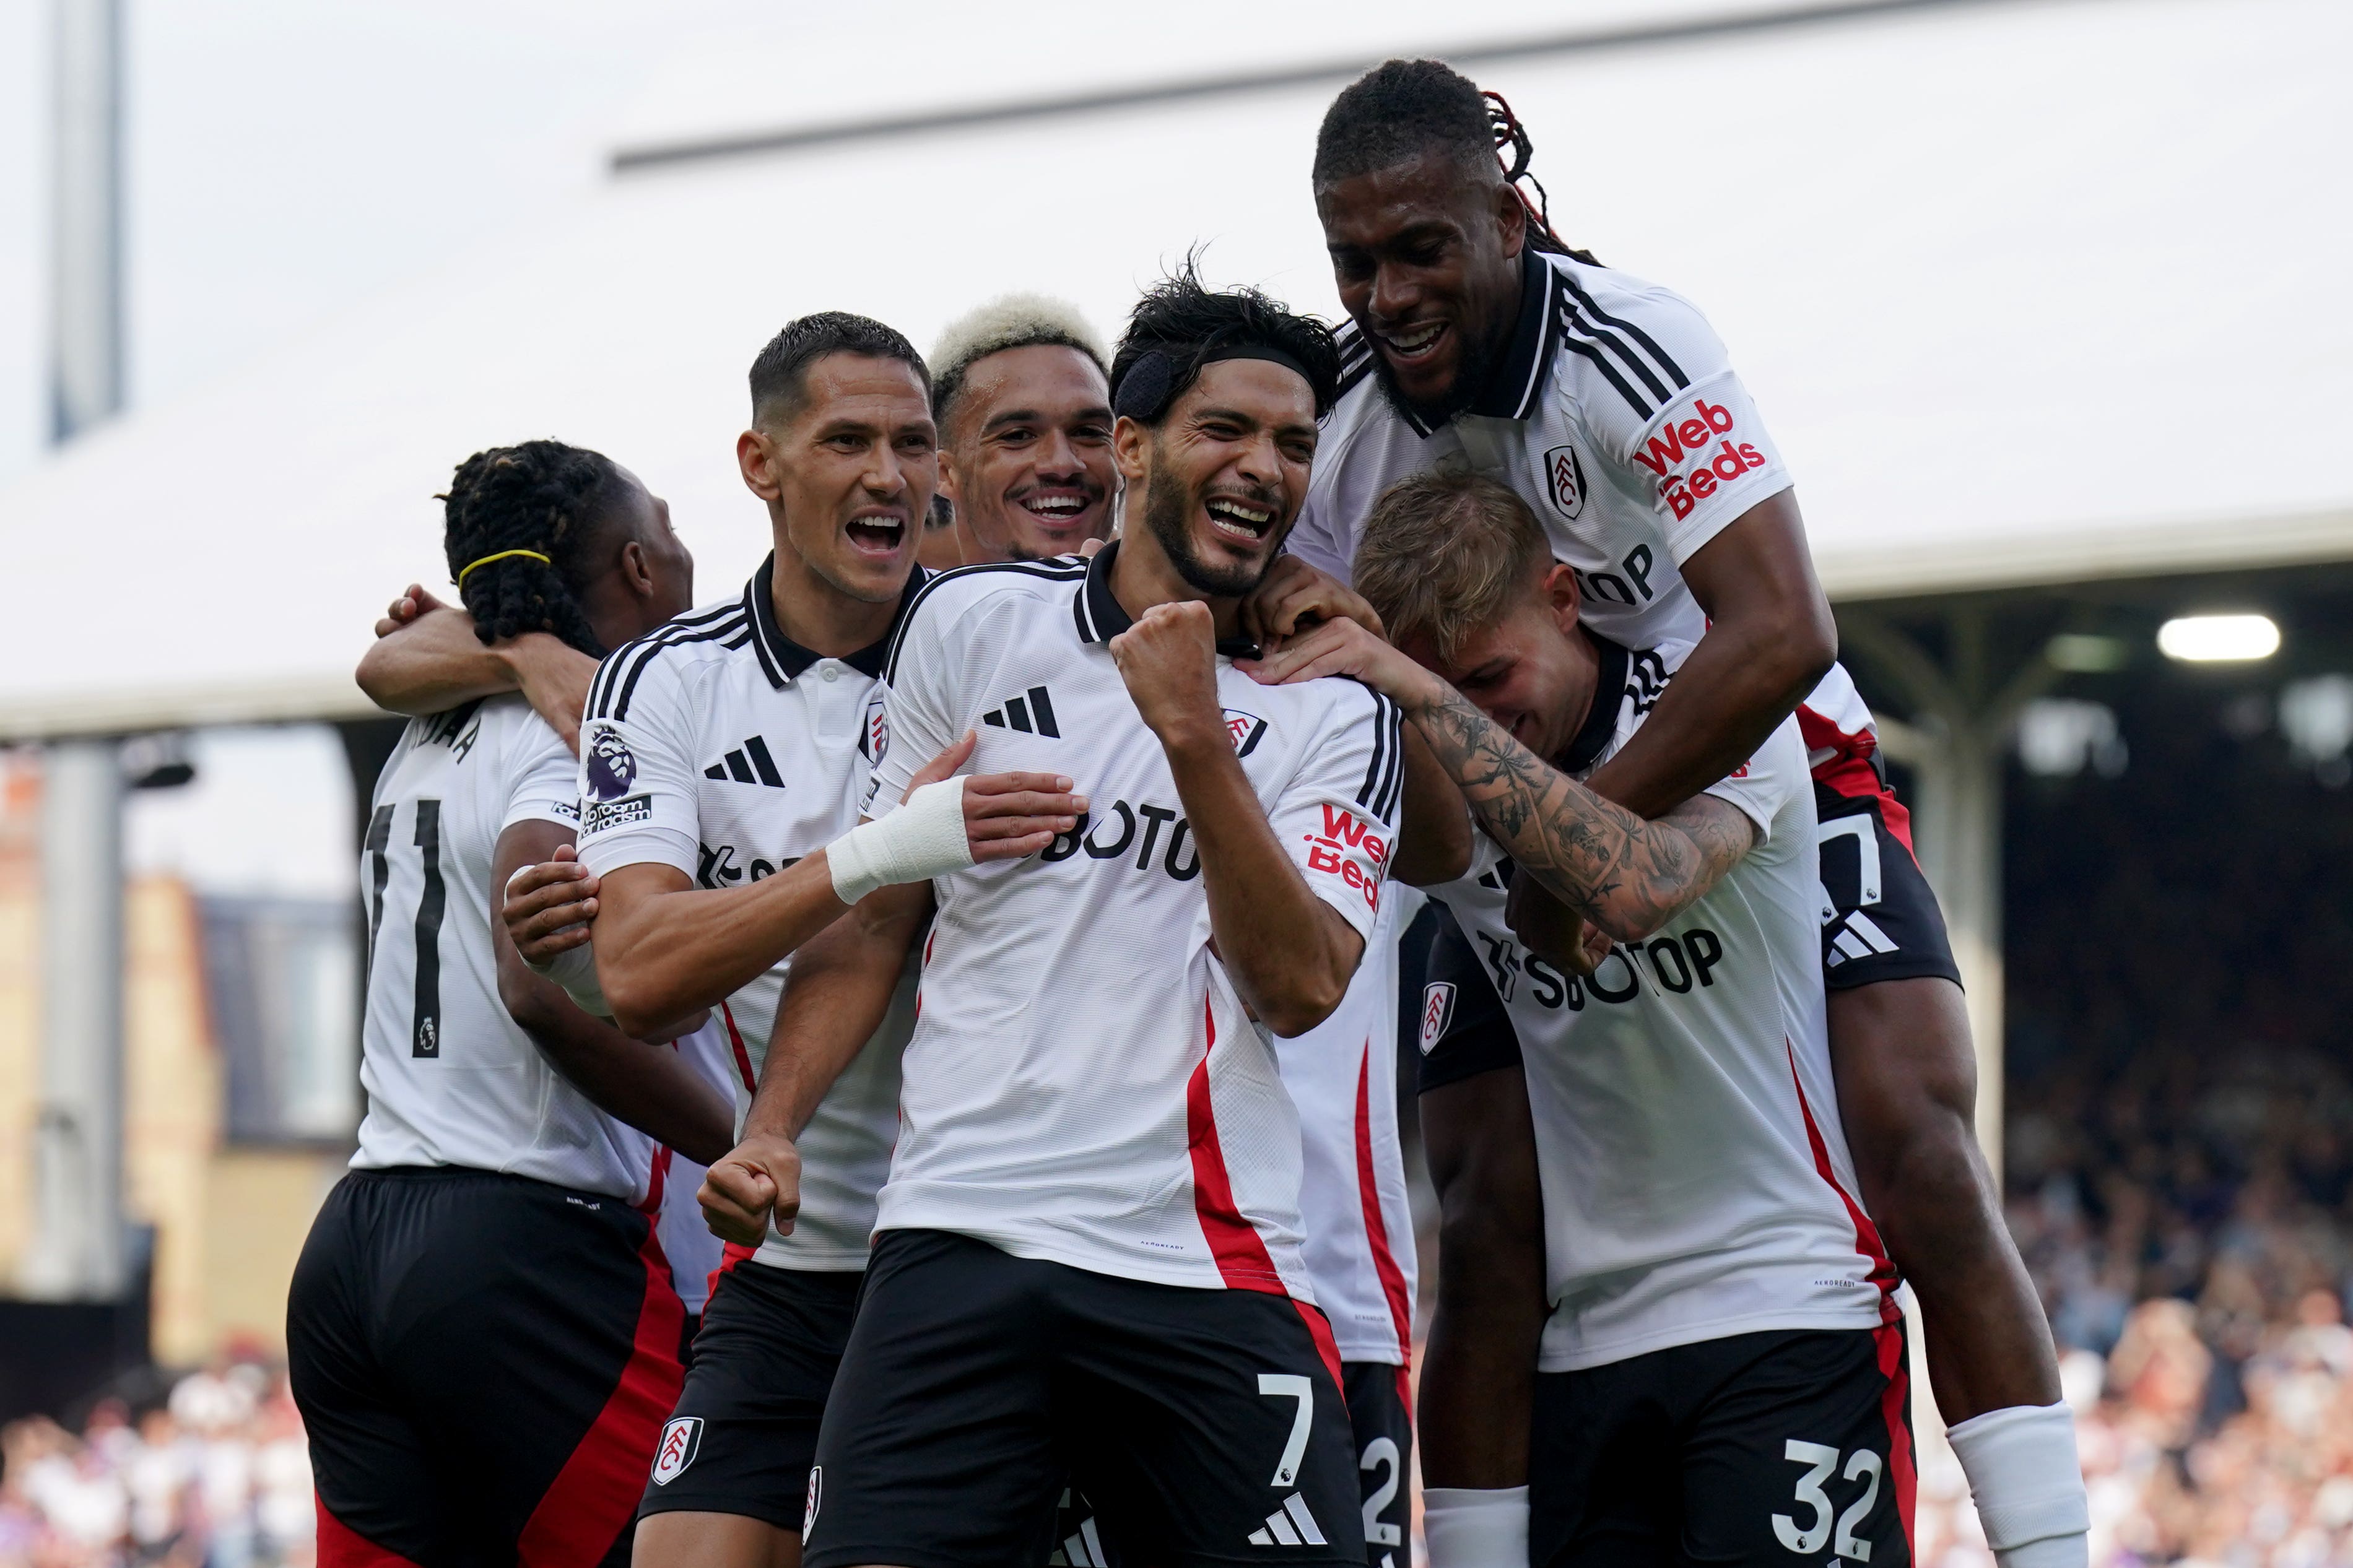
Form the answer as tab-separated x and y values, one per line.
1291	1385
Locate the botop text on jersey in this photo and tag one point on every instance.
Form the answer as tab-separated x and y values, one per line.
718	746
1696	1180
1084	1085
451	1079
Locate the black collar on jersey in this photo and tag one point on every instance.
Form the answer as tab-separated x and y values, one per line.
1515	381
1100	617
783	659
1601	718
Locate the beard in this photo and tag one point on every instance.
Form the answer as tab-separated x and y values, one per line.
1168	509
1469	378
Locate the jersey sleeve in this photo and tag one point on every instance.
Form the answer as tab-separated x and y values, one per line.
920	716
1338	815
1465	1028
1666	411
1318	538
1762	786
546	775
638	791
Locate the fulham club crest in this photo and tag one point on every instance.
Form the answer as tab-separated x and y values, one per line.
1565	477
815	1496
1437	1009
1246	729
679	1441
875	738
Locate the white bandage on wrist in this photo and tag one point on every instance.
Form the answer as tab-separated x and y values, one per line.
923	839
2027	1485
1468	1528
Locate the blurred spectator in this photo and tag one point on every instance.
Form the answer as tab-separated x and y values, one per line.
218	1477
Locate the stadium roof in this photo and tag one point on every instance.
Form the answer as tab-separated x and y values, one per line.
2028	293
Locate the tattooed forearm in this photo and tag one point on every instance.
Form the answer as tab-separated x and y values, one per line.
1626	875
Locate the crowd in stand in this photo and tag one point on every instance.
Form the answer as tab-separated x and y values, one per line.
217	1476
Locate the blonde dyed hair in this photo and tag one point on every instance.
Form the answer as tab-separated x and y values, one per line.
1445	554
1008	321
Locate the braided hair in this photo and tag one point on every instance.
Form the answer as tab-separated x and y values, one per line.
1402	109
539	496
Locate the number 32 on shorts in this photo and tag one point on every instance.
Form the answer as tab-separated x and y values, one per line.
1821	1462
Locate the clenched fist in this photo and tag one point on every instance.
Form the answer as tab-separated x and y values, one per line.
1169	661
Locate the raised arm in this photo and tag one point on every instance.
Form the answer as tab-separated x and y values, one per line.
836	995
1290	954
1770	639
427	660
665	948
1626	875
649	1087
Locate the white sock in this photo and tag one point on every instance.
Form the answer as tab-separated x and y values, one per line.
2027	1485
1466	1528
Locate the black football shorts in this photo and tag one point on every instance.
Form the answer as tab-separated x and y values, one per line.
1204	1425
1884	923
745	1432
483	1364
1768	1448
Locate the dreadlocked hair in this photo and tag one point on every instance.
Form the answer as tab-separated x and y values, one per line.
1181	323
540	496
1513	149
1402	109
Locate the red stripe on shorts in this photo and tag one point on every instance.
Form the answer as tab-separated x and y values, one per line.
594	1495
341	1546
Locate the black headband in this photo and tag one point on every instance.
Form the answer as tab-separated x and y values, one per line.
1145	393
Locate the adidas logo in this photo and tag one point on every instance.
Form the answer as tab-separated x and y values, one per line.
1290	1525
1861	938
1032	713
747	763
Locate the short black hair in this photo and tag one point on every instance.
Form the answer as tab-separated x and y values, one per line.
780	374
543	496
1400	109
1180	323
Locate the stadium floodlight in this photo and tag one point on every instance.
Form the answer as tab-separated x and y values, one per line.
2218	640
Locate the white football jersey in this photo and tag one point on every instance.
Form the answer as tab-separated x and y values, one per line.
1085	1085
451	1079
1696	1180
1353	1203
1616	415
718	746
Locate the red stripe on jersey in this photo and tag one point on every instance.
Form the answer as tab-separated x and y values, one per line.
1376	1230
1847	771
657	1178
1242	1258
743	1056
595	1496
1319	1329
1866	1234
341	1546
1894	1399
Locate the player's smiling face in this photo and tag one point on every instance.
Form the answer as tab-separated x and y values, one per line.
1030	466
1531	671
1223	475
1427	262
853	467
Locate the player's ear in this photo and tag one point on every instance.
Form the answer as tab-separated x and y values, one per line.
1128	441
1511	219
755	456
1558	586
951	489
637	570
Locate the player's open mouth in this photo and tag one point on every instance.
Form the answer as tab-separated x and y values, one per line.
878	535
1413	342
1239	520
